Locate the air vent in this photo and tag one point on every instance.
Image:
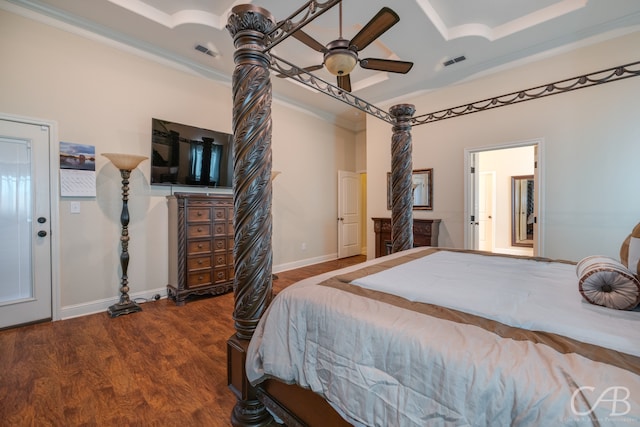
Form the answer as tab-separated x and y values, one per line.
454	60
204	50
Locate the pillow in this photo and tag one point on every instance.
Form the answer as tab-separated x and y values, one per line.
607	282
630	251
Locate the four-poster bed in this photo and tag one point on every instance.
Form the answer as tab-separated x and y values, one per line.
255	32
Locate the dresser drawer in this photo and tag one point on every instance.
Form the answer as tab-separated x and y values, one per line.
219	228
220	276
220	213
220	244
198	230
198	214
198	246
200	262
220	260
421	241
196	279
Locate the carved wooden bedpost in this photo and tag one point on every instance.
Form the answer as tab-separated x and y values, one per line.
252	199
401	179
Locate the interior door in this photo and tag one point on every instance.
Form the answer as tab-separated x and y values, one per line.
348	214
25	216
486	211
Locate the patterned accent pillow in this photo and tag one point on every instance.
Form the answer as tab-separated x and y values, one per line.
605	281
630	251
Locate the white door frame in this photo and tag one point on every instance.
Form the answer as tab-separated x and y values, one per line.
54	167
470	183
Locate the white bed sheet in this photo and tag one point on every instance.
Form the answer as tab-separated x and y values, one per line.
529	294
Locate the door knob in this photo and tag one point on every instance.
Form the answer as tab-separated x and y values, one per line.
42	233
42	220
340	219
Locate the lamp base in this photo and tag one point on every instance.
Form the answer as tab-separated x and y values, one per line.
121	309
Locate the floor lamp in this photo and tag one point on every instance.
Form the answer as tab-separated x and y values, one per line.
126	163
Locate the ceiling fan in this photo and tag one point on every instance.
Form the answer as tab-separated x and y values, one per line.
341	55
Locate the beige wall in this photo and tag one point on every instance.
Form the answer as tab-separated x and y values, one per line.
106	97
590	147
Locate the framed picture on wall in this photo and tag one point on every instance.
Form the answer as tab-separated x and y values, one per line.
422	189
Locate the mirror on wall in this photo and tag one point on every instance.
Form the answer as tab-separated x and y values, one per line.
522	211
422	189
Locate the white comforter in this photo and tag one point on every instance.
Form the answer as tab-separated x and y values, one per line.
382	365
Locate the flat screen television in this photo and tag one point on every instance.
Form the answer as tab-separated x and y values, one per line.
190	156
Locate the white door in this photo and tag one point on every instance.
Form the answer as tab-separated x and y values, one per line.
348	214
485	210
25	218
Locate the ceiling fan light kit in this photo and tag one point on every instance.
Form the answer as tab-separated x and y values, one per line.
339	60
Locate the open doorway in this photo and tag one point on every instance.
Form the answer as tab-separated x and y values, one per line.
497	205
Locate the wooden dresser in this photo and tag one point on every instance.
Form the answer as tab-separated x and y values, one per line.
425	233
200	245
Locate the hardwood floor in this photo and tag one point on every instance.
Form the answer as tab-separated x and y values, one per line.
164	366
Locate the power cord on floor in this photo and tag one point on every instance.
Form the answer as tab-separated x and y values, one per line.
156	297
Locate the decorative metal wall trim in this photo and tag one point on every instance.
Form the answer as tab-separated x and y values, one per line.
599	77
292	71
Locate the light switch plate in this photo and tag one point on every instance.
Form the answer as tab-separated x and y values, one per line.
74	207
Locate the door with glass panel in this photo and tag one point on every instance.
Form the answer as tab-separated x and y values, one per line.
25	213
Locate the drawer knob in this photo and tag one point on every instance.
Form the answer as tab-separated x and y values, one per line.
199	229
200	246
200	261
199	213
200	278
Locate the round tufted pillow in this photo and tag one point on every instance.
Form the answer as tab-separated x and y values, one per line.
605	281
630	251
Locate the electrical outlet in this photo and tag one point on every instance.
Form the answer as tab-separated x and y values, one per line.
74	207
303	246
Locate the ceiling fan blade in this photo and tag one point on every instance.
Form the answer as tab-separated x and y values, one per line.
344	82
309	41
380	23
390	65
309	69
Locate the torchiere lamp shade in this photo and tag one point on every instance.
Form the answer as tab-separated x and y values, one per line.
125	161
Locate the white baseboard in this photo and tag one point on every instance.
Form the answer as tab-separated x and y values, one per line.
98	306
303	263
514	251
92	307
